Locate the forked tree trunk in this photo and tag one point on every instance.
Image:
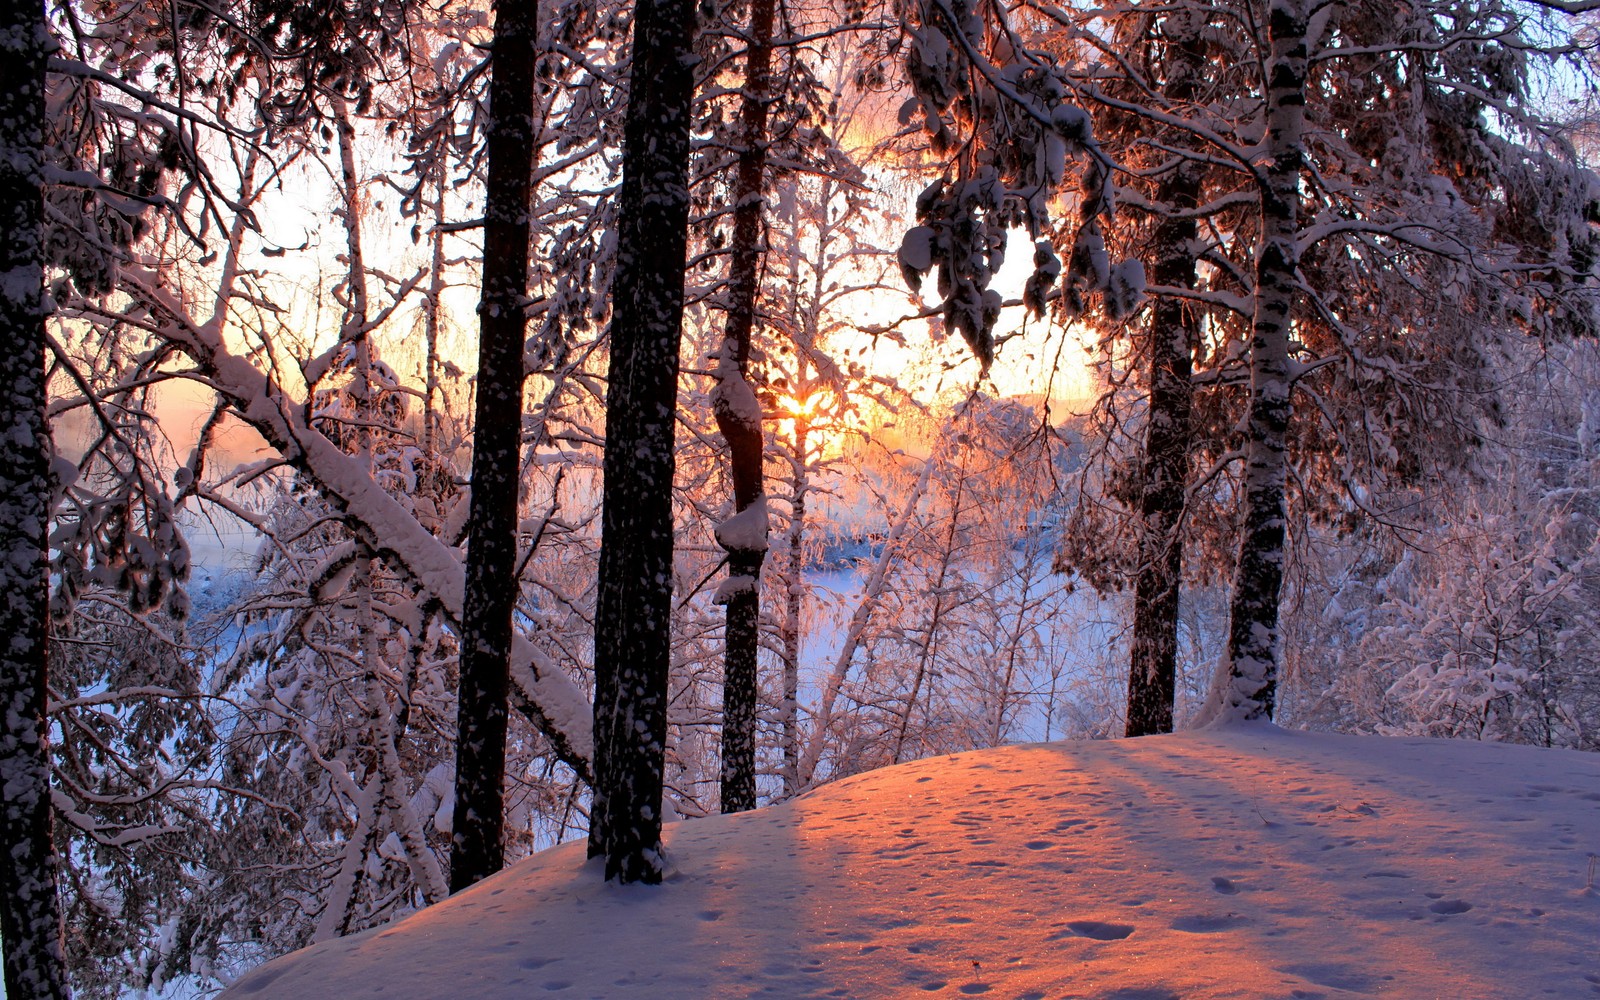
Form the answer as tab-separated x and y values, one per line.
1250	690
739	419
1174	331
476	847
30	914
632	638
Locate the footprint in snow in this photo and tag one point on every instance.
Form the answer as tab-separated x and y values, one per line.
1099	930
535	963
1450	907
1208	923
1225	886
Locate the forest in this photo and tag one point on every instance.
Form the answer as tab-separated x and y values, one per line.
432	432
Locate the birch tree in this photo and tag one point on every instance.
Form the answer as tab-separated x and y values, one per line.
1381	150
1258	577
1441	220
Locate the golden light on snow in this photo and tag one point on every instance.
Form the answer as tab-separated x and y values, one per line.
1250	863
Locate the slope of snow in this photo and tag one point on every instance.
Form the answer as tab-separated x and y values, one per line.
1251	862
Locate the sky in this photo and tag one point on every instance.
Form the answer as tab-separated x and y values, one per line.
1247	862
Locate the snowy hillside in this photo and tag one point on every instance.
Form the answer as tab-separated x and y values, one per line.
1247	863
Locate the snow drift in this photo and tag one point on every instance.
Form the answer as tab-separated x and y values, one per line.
1250	862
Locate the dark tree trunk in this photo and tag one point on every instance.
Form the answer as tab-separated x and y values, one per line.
1152	674
1174	331
476	849
30	915
632	639
739	420
1252	680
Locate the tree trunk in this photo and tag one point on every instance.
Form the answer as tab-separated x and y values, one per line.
430	390
1174	331
30	914
476	848
739	420
1152	674
789	630
353	329
632	636
794	596
1251	684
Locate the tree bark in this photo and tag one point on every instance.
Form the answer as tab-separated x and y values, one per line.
632	634
476	848
741	425
1174	331
1250	690
30	914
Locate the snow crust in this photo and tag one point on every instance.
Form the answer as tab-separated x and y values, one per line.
1249	862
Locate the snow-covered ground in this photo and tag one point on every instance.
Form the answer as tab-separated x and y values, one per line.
1251	862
